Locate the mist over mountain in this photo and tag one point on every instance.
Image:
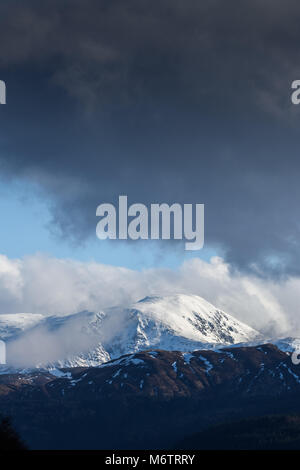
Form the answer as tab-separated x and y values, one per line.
176	322
175	363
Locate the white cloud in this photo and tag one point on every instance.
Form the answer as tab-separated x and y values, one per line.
40	284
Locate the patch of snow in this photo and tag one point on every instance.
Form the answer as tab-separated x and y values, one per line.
208	364
187	357
153	354
60	374
296	377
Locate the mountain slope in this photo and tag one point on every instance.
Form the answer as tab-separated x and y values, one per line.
149	399
263	433
177	322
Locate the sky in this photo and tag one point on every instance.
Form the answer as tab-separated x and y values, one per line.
185	102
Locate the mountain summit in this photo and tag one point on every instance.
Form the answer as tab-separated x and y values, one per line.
175	322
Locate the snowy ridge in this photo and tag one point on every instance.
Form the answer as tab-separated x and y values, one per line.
14	324
177	322
86	339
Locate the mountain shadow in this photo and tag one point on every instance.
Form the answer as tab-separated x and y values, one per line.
263	433
9	439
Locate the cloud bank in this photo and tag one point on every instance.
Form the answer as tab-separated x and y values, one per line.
126	96
39	284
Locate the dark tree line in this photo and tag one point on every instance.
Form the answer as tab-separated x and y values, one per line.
9	439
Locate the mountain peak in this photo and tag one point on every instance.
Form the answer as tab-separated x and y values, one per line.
180	321
173	322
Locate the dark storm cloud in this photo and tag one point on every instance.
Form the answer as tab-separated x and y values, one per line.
173	101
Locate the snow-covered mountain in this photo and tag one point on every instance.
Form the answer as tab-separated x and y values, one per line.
177	322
